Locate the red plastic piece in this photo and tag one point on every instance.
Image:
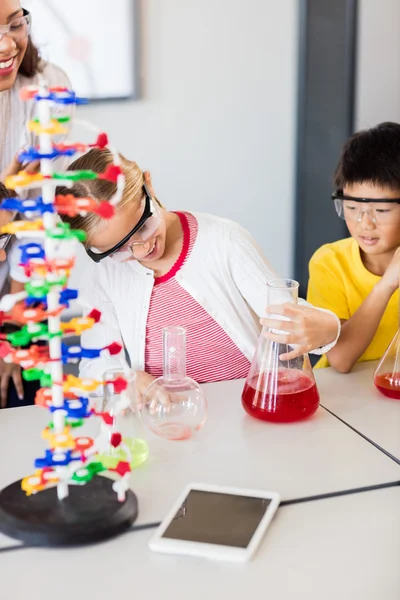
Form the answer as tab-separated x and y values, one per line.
95	314
122	468
101	142
111	173
105	210
120	384
5	349
58	88
114	348
116	439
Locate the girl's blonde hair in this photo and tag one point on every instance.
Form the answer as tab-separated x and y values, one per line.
101	190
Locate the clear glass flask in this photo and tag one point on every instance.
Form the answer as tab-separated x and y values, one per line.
174	406
278	390
387	373
127	421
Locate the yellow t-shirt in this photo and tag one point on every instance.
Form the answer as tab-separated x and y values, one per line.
339	281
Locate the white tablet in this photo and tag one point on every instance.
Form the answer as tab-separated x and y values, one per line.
216	522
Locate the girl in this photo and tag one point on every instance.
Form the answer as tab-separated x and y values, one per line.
153	268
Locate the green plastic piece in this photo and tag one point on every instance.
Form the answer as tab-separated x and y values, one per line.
139	451
76	175
37	291
69	421
45	380
65	119
19	338
63	232
33	374
86	473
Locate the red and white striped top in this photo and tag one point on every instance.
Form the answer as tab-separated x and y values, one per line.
211	354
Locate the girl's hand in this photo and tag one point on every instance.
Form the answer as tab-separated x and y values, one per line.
302	326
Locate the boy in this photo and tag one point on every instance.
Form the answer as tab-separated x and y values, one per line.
358	277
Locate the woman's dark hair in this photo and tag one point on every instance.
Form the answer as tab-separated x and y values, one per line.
372	156
5	193
31	63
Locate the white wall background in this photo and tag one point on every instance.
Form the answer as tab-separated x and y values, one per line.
378	63
216	121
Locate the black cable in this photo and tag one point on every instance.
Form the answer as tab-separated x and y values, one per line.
369	488
283	503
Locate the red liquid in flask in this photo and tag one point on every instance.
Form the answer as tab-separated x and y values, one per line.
296	397
388	384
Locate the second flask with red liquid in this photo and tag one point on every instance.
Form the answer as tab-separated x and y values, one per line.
276	390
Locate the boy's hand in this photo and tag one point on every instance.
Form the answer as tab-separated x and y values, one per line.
307	329
390	279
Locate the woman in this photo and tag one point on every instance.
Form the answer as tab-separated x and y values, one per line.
156	268
20	65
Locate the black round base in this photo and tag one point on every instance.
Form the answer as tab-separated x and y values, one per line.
89	514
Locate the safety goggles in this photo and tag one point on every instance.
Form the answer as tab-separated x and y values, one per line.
142	232
380	210
18	29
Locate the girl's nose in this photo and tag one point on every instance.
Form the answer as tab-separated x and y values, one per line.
7	46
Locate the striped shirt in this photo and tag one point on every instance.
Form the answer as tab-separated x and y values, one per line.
211	354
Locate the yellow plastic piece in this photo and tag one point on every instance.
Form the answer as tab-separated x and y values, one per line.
53	129
86	385
77	324
22	179
38	481
16	226
59	440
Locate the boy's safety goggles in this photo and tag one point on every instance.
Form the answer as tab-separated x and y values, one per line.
380	210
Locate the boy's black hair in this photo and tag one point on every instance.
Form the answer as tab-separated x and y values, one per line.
372	156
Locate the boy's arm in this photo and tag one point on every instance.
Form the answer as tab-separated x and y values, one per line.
326	290
358	332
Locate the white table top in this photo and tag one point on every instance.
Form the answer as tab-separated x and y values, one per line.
315	550
354	398
345	548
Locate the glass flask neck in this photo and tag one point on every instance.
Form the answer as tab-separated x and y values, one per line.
174	353
280	291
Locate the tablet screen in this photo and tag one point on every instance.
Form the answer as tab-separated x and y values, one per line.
217	518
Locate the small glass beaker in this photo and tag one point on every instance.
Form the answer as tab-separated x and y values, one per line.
280	390
126	419
174	406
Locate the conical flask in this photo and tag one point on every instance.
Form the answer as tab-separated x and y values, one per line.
278	390
174	406
387	373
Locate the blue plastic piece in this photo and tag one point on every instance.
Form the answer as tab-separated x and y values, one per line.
32	153
70	353
30	205
66	97
31	250
75	412
48	459
35	301
67	295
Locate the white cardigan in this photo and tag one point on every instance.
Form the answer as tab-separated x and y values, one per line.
225	273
